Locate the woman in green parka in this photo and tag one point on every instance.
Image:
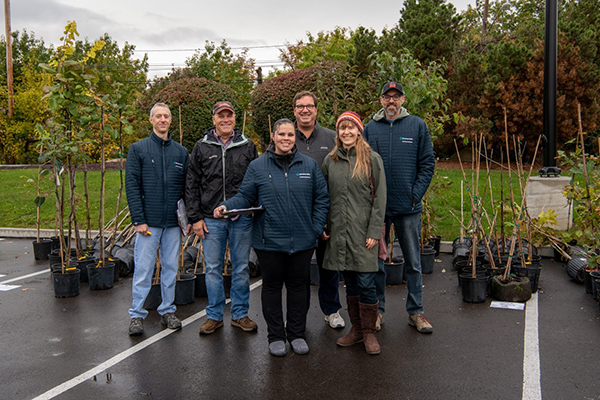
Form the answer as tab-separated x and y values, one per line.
356	182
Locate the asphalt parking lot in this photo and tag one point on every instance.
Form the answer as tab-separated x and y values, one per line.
78	348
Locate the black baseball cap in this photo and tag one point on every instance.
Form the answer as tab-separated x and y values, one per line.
392	85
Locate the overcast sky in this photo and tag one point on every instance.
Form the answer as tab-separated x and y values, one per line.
169	31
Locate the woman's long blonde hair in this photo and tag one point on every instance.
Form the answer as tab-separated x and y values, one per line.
362	168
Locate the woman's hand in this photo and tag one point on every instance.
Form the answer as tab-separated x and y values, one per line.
325	236
371	243
218	212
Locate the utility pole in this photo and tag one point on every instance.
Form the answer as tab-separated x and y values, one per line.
9	59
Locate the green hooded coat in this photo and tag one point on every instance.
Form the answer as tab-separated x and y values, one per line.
355	213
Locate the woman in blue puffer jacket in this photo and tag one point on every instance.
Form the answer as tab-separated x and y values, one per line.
291	188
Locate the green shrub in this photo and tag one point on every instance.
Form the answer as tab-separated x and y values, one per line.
196	97
275	96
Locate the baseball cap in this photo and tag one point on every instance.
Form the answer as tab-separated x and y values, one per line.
392	85
222	105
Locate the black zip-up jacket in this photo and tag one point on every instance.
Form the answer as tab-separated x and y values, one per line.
216	173
155	180
318	145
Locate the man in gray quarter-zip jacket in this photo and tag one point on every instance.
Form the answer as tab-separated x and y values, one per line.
154	182
316	142
218	163
404	144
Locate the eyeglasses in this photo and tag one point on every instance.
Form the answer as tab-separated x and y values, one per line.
388	98
309	107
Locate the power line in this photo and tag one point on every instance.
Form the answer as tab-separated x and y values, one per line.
200	49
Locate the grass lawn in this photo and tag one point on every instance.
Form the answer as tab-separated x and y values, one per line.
17	206
448	200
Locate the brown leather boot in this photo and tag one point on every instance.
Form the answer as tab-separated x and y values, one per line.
356	334
368	319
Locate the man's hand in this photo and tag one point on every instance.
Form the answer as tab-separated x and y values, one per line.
188	230
199	228
218	212
142	229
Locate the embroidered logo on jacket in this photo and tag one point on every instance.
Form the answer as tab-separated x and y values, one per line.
178	165
408	140
303	175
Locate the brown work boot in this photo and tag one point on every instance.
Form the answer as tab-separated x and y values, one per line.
368	319
245	323
420	322
355	335
210	326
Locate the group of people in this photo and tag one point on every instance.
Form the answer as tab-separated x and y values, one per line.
333	193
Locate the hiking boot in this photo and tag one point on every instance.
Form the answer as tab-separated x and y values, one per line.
379	322
420	322
136	326
245	323
335	320
171	321
299	346
210	326
277	348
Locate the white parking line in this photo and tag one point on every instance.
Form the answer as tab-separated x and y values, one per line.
125	354
18	278
532	387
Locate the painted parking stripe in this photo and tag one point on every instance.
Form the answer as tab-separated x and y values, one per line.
532	387
18	278
125	354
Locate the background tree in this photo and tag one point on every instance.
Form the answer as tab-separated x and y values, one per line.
196	97
429	29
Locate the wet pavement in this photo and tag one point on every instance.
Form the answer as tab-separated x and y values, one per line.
78	348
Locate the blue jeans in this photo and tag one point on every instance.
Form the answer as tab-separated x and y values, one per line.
239	234
144	256
408	230
361	284
380	283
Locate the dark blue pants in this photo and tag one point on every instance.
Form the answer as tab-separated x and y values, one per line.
329	282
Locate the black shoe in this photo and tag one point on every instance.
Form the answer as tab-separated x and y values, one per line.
136	327
171	321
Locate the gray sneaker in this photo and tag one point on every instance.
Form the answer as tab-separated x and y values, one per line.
277	348
171	321
299	346
136	326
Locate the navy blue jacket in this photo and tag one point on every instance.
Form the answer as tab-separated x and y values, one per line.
405	146
296	203
155	180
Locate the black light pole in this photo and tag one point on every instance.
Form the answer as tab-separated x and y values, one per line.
550	67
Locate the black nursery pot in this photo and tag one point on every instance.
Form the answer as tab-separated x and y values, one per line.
184	289
41	249
474	290
101	278
436	241
427	260
154	297
199	282
67	284
394	272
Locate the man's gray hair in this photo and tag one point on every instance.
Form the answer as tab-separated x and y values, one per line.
159	105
